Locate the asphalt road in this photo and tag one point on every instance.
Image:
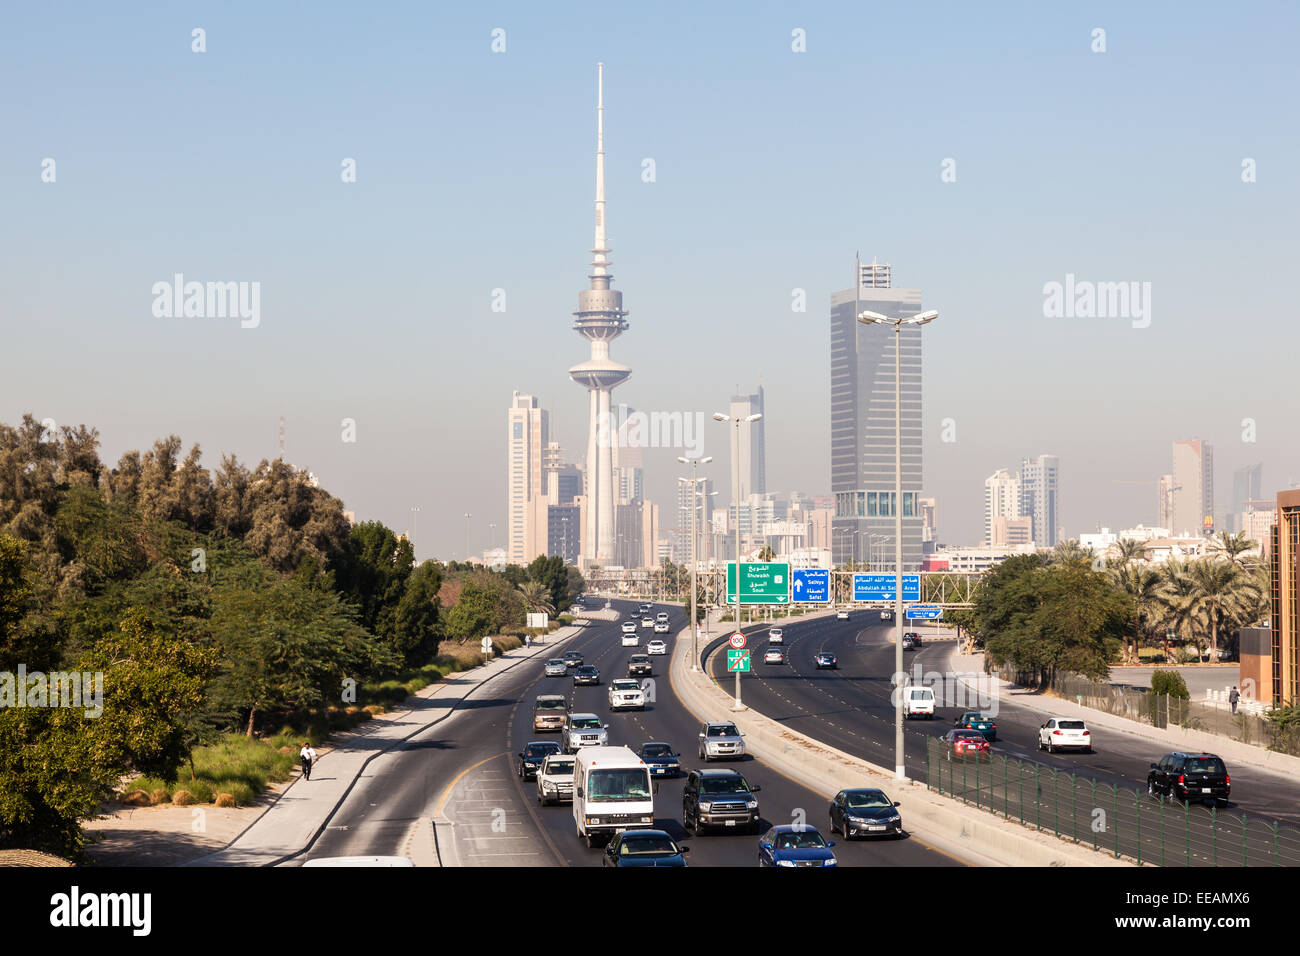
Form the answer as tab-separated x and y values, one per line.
464	770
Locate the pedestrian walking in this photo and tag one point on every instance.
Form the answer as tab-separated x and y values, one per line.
308	756
528	640
1233	697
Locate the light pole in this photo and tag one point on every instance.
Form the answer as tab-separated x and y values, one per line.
695	539
415	527
467	517
747	420
875	318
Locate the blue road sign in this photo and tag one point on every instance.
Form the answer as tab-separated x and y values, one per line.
924	612
880	587
810	586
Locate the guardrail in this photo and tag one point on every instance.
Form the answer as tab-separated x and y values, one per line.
1114	820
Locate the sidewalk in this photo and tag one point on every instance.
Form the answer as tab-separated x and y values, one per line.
1170	738
291	823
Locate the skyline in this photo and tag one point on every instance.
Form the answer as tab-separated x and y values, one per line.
373	300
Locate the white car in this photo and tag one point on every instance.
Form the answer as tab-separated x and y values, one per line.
774	655
661	627
661	617
630	638
1064	733
555	779
774	636
629	627
624	692
918	702
886	615
656	647
841	615
647	622
583	730
721	740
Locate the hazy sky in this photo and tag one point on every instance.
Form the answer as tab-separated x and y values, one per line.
475	173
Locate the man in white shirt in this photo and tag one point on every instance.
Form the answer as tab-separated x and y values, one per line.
308	756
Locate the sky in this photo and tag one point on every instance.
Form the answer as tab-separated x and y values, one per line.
772	166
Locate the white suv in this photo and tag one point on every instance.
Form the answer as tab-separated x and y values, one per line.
625	692
918	702
774	636
1061	732
583	730
555	779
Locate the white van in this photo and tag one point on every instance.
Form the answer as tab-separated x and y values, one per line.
918	702
612	792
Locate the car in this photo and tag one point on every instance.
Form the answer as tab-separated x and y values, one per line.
531	757
572	659
583	730
719	798
656	647
661	759
976	720
774	655
1062	733
841	615
549	711
633	848
612	792
586	674
555	779
775	636
661	627
630	638
795	845
886	615
639	665
556	667
625	692
644	608
916	638
960	744
918	702
629	627
719	740
577	609
1190	777
647	621
908	643
661	617
865	811
827	660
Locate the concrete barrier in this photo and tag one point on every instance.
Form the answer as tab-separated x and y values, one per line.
969	833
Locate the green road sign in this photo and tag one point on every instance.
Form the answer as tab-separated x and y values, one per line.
738	660
760	583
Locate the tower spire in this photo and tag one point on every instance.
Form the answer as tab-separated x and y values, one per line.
600	271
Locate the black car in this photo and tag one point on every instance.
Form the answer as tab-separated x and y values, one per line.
639	665
531	757
865	811
1190	777
661	759
916	638
572	659
586	674
719	798
633	848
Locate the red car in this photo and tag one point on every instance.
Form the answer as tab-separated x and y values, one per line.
961	744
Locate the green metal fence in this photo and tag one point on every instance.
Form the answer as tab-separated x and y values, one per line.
1117	820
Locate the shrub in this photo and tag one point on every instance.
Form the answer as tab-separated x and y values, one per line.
136	798
160	795
1170	684
199	789
225	800
182	798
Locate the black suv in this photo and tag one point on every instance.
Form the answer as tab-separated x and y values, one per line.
719	798
1190	777
586	674
531	757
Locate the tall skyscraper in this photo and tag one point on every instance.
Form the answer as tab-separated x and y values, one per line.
1040	498
862	419
527	426
1193	487
1001	500
600	319
703	518
750	460
1246	484
1165	502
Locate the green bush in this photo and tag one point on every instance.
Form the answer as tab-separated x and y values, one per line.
1169	683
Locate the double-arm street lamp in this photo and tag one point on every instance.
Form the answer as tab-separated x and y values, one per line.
875	318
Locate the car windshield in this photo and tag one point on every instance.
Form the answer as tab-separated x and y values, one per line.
793	840
541	750
586	723
586	669
925	694
640	844
724	785
555	662
656	750
632	783
560	767
626	685
549	705
721	730
867	799
639	659
1205	765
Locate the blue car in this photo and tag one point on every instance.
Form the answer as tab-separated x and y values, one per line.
789	845
661	759
633	848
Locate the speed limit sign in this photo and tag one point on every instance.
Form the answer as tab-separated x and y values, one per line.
738	640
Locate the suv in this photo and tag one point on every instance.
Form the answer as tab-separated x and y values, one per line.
531	757
918	702
549	711
719	798
583	730
721	740
914	637
639	665
842	614
555	779
572	659
1190	777
774	636
625	692
886	615
661	627
586	674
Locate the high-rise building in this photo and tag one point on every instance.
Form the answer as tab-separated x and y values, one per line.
1281	682
1246	484
703	518
929	525
1040	498
1165	503
600	319
862	418
527	424
1001	500
1193	489
750	460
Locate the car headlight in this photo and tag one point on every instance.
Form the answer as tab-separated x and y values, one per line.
785	862
751	804
831	862
705	807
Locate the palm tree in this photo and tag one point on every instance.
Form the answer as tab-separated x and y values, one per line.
536	596
1126	551
1231	545
1181	609
1068	552
1145	586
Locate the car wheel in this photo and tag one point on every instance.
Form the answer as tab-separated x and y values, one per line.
591	843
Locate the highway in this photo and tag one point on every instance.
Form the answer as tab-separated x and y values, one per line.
463	771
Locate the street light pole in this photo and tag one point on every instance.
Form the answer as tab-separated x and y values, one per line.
874	318
747	420
467	517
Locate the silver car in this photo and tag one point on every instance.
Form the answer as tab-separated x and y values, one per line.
722	740
583	730
556	667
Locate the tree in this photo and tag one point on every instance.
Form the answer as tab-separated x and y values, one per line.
550	572
1232	546
416	622
766	554
536	596
1145	588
